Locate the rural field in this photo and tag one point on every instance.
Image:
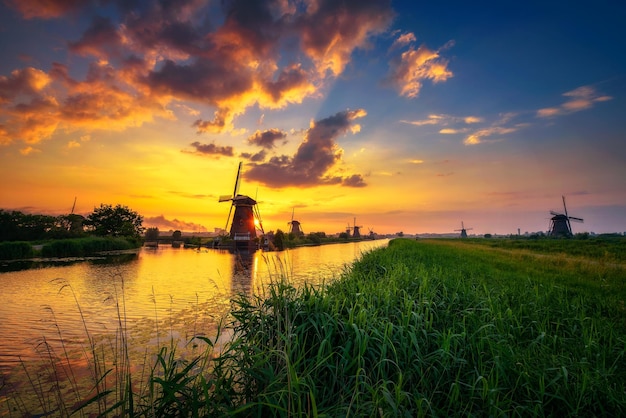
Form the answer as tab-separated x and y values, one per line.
445	328
441	327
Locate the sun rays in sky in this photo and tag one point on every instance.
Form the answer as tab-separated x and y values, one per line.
410	117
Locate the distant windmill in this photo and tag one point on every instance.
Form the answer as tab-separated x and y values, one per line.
560	223
348	230
372	234
463	230
246	218
295	226
356	233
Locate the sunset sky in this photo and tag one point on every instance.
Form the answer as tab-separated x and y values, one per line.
408	116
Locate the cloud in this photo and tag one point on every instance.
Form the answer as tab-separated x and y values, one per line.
409	71
25	82
101	40
149	56
45	9
582	98
431	120
28	150
174	224
502	126
331	30
255	158
451	131
445	120
477	137
404	39
32	109
212	149
266	138
316	157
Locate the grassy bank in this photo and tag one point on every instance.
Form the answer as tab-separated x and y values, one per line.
439	328
421	328
71	247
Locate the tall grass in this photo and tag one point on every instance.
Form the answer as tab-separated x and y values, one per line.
421	328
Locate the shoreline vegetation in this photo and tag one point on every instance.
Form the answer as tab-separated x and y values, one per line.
69	247
441	327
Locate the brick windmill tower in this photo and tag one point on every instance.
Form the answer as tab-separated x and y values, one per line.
246	218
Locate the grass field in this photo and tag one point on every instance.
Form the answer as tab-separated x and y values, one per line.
421	328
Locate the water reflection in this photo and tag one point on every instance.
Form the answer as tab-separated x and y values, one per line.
35	263
245	265
166	288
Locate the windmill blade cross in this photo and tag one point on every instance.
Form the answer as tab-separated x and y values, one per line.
236	190
575	219
228	219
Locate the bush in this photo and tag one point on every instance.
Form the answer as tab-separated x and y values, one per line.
15	250
85	246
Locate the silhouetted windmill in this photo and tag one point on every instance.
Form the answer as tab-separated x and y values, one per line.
295	226
372	234
560	223
463	230
246	218
356	233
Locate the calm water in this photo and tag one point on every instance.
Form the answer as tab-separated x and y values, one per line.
181	291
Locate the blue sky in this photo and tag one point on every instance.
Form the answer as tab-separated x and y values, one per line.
407	116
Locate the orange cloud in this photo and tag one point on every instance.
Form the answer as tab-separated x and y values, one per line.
331	30
404	39
159	56
477	137
579	99
45	9
314	161
409	71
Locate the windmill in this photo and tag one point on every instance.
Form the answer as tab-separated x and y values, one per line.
356	233
560	223
372	234
463	230
294	226
246	218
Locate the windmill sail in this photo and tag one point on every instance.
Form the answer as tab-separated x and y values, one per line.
244	212
560	225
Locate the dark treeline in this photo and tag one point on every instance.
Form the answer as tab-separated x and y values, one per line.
105	220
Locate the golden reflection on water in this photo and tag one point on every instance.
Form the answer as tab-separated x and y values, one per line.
159	295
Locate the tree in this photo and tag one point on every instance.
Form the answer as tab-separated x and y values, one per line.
118	221
279	240
152	234
177	235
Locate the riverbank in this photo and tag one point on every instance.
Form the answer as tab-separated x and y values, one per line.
71	247
419	328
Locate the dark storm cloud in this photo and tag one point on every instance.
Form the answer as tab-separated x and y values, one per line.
100	39
255	158
212	149
266	139
213	80
315	158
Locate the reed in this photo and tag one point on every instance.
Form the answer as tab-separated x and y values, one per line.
421	328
